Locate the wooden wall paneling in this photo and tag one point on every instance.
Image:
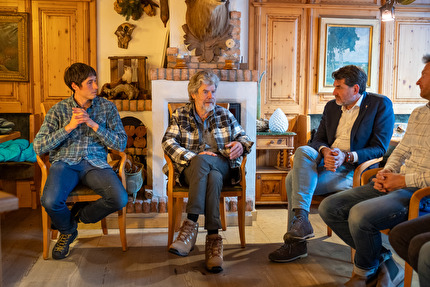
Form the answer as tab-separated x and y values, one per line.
411	42
317	100
282	55
61	36
15	97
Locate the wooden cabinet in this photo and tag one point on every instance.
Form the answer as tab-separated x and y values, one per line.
273	163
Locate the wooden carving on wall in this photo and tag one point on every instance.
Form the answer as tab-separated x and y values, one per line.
207	27
123	32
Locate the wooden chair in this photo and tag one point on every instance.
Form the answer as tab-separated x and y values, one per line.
414	208
177	193
80	194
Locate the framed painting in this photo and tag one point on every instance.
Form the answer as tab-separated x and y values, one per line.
14	60
348	42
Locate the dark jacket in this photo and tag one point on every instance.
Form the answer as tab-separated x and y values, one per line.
371	132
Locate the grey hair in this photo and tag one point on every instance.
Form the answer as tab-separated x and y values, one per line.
426	59
201	77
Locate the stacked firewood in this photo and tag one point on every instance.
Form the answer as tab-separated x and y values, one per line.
136	142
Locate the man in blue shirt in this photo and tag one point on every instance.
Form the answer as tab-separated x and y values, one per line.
77	132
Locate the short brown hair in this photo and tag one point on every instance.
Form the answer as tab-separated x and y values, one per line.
353	75
77	73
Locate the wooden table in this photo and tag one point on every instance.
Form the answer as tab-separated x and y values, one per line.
13	135
8	202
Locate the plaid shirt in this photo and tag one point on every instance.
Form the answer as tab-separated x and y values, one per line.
182	141
411	157
82	142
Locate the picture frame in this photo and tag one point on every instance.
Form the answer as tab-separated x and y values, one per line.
14	58
344	42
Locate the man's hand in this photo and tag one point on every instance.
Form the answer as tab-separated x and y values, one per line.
386	181
80	116
236	149
333	158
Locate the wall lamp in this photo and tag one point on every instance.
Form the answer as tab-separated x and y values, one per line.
387	11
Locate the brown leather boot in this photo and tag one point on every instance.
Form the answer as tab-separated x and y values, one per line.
213	253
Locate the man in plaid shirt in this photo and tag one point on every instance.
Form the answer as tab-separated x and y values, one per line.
206	143
77	132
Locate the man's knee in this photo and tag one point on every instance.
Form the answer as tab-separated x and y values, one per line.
325	208
50	204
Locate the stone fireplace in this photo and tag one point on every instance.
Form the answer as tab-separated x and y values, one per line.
170	85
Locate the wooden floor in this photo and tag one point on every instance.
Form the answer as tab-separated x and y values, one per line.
97	260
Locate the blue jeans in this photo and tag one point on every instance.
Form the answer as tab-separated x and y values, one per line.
309	177
357	216
63	178
205	177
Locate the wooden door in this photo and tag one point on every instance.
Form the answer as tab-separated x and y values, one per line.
64	32
279	50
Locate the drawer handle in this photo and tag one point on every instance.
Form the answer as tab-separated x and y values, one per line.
258	176
272	142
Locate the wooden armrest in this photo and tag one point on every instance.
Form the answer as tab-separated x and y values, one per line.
414	204
358	179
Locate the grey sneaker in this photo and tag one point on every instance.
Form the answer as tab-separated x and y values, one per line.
213	253
301	229
186	239
390	274
61	248
291	250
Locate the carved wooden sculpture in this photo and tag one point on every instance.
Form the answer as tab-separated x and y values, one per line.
207	27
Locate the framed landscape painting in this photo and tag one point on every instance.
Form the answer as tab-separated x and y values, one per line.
348	42
14	59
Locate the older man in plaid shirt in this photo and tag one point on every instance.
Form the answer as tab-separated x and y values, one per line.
206	143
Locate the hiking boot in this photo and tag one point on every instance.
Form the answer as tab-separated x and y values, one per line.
301	229
213	253
390	274
291	250
61	248
186	239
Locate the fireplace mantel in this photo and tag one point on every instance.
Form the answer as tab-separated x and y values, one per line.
170	85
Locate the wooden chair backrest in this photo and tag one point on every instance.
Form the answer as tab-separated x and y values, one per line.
45	106
173	106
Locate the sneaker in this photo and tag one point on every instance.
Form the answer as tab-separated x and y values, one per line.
291	250
186	239
390	274
301	229
213	253
61	248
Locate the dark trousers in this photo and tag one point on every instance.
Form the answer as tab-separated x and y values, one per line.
408	237
205	177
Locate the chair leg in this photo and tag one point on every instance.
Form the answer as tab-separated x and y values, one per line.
329	231
122	227
104	226
177	210
408	275
241	219
352	255
171	219
45	231
222	213
54	234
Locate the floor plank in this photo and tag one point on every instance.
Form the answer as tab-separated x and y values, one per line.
97	260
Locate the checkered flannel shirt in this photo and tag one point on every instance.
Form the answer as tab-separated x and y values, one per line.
181	142
82	142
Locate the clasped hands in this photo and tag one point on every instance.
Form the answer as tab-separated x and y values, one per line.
236	150
80	116
386	181
333	158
